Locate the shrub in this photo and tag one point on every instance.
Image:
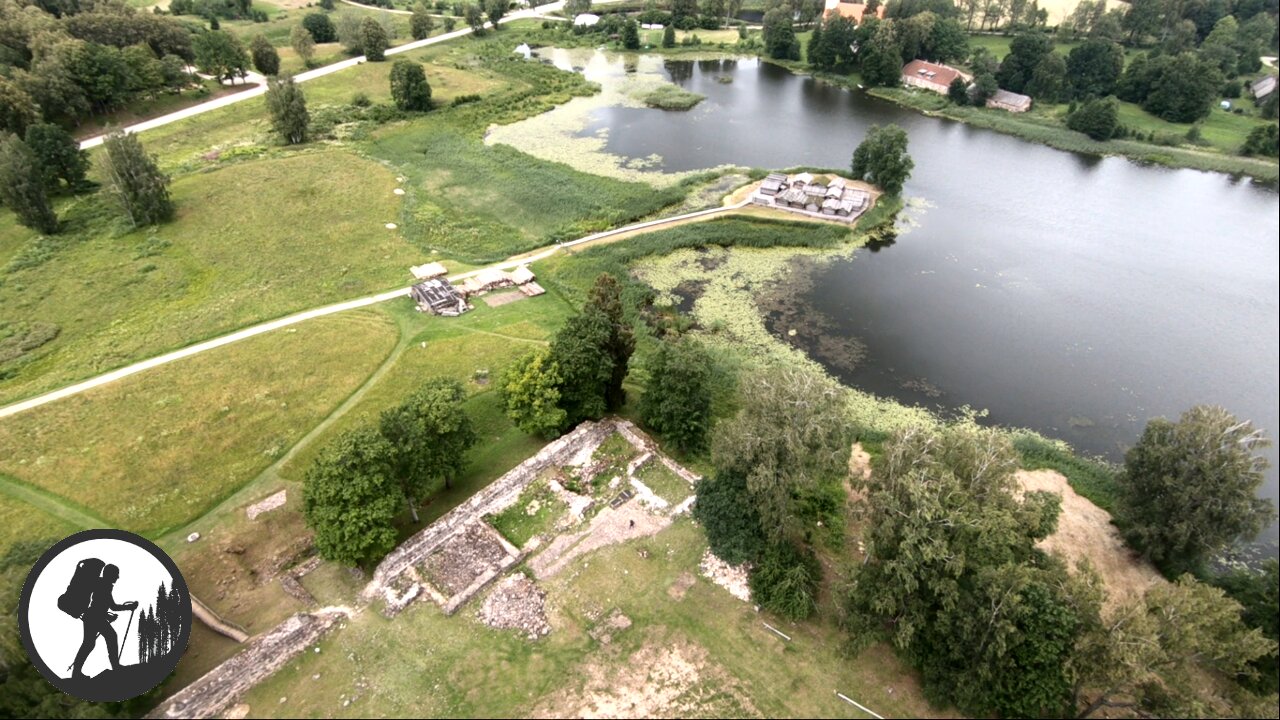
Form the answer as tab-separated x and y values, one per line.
1096	118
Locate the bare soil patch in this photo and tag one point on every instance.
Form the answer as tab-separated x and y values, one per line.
503	298
680	587
1085	532
612	526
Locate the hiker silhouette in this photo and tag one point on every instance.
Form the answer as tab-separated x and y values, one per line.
91	594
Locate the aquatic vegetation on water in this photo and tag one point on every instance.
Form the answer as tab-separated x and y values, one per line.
670	97
558	135
728	314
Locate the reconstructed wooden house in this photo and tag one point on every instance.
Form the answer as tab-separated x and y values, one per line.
773	184
439	297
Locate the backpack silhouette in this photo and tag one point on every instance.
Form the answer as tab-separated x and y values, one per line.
76	599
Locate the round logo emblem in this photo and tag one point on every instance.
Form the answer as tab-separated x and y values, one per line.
105	615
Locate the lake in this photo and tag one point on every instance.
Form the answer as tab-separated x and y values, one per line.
1070	294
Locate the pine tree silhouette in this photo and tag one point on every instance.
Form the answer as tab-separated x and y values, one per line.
160	626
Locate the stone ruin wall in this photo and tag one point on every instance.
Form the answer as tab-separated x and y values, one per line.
219	688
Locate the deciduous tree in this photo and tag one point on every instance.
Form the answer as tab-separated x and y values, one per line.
780	36
220	54
1094	67
677	396
1049	81
320	27
22	186
1098	118
495	10
881	57
302	43
631	35
606	295
882	159
1190	488
265	58
58	155
373	40
409	87
1025	53
530	390
134	180
789	437
429	435
350	498
580	349
421	23
288	109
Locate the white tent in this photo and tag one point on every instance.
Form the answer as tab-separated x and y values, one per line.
586	20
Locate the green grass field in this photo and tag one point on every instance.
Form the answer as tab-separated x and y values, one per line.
157	450
251	241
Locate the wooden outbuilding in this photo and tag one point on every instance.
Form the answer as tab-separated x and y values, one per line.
1011	101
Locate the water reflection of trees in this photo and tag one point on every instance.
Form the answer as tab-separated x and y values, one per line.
882	241
679	70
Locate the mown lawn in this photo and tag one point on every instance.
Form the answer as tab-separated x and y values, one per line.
423	664
158	449
251	241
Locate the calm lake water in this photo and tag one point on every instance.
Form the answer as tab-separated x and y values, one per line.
1074	295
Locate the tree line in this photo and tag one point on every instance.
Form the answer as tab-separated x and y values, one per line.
48	161
160	626
65	62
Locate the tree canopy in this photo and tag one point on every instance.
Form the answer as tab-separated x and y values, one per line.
429	434
288	109
135	181
677	396
409	87
1190	488
882	159
350	498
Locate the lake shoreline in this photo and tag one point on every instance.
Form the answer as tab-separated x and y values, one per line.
1058	138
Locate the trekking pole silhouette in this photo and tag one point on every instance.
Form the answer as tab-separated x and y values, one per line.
128	625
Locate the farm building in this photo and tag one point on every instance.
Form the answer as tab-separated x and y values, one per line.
793	197
800	180
930	76
851	202
1011	101
439	297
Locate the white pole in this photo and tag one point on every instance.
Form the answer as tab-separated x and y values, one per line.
858	705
